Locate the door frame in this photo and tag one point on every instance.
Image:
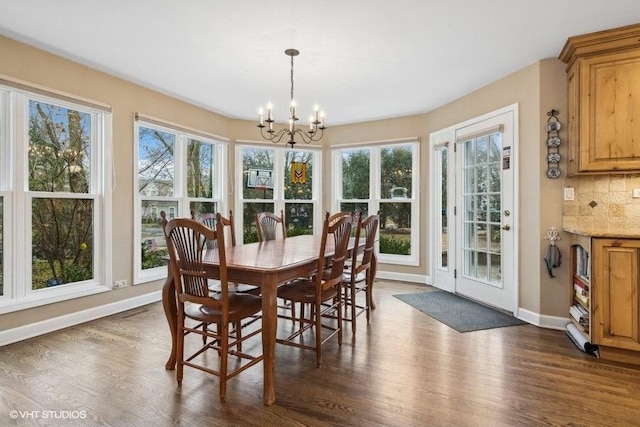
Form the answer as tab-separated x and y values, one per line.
446	279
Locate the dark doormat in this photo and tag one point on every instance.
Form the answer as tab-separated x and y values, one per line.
458	313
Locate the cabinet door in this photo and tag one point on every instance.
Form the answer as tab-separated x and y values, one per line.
615	284
610	112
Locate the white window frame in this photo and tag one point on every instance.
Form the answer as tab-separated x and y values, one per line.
17	199
278	200
220	146
376	198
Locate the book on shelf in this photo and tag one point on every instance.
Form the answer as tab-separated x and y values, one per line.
583	266
582	298
579	313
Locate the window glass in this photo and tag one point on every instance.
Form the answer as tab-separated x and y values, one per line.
156	164
355	173
62	241
257	171
200	163
59	149
395	172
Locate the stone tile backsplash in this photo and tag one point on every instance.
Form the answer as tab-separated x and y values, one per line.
603	205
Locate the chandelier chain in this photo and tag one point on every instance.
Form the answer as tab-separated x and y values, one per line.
291	78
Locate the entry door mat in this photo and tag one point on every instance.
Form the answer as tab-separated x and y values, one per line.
458	313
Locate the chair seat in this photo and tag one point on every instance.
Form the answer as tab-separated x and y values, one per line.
346	276
303	290
240	306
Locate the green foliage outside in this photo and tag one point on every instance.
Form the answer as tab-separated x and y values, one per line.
395	245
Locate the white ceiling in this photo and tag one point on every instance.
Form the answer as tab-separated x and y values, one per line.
359	60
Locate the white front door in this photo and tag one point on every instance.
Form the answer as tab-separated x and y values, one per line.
485	210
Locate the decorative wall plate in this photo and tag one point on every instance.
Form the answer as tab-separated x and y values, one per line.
553	126
553	157
553	172
553	141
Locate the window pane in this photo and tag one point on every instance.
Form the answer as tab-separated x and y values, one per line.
59	149
62	241
355	174
257	169
395	228
444	238
199	208
249	230
200	163
153	244
355	208
298	175
298	218
395	172
156	163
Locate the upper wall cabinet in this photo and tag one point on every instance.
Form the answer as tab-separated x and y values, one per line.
603	73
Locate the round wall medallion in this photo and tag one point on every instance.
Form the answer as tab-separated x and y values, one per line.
553	141
553	126
553	172
553	157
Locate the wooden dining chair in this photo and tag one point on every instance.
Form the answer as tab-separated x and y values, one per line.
268	224
322	292
358	275
187	243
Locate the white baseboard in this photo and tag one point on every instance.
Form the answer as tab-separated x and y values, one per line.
40	328
403	277
549	322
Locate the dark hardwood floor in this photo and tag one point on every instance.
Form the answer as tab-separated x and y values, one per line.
403	369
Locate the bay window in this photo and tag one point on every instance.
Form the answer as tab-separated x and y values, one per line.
53	203
379	178
179	172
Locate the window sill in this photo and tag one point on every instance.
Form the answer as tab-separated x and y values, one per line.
51	297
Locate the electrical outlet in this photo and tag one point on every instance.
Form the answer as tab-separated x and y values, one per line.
569	193
118	284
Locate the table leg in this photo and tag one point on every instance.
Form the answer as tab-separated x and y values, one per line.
269	327
171	312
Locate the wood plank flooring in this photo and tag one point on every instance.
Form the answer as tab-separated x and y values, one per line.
403	369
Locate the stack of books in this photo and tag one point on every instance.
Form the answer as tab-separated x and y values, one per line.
580	314
581	291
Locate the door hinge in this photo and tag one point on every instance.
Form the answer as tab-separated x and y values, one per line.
455	273
455	210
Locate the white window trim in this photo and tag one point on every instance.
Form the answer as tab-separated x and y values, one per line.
278	191
221	147
14	113
376	199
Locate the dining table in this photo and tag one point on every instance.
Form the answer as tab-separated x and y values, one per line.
265	264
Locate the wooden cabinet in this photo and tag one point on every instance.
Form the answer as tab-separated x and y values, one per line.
603	103
616	321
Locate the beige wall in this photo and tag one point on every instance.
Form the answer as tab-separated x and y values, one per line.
536	88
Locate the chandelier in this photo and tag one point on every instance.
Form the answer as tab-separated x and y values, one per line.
316	121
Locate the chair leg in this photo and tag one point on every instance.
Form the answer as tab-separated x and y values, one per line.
316	309
180	349
224	357
238	336
353	308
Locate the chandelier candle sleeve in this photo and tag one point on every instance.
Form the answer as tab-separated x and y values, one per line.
316	127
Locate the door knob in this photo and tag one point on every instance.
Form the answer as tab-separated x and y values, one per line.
506	227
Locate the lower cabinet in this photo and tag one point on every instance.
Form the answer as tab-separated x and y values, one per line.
616	320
